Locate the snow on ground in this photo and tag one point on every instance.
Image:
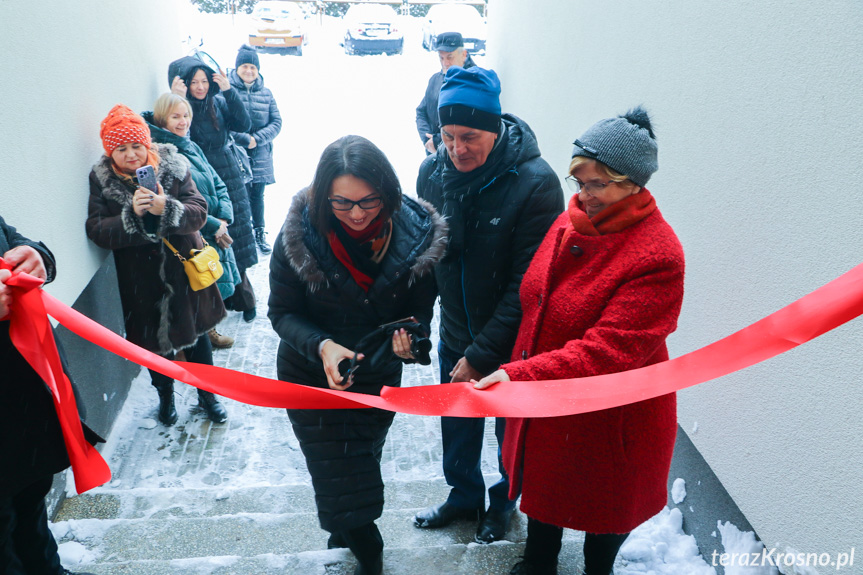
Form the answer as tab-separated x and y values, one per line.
322	96
325	94
678	491
742	544
660	547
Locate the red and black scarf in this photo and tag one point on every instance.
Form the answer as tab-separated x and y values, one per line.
361	251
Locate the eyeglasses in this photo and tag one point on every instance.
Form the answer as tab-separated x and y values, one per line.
592	188
345	205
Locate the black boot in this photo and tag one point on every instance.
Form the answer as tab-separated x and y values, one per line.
167	411
261	240
540	550
336	541
215	410
600	550
367	545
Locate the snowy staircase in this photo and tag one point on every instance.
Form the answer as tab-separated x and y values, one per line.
236	499
267	530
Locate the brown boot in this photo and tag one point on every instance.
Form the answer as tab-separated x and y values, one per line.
220	341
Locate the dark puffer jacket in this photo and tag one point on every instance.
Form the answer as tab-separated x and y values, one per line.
161	312
428	121
266	125
31	442
497	220
231	116
313	297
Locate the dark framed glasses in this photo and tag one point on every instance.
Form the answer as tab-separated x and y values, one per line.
345	205
592	188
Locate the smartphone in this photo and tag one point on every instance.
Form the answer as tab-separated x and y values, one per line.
147	178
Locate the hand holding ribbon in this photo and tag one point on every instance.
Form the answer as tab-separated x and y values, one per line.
32	336
812	315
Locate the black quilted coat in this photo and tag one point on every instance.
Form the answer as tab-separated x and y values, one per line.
266	125
312	298
231	116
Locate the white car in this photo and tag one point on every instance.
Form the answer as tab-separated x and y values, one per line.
462	18
372	29
278	24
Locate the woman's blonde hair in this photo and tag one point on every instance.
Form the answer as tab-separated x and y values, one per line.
612	175
163	106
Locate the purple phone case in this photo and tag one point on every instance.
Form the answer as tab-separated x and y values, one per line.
147	178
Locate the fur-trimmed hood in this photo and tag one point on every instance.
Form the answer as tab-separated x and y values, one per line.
172	166
301	238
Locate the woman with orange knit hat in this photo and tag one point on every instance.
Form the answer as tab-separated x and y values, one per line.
162	313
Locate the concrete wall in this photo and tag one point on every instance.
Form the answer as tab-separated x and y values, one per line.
64	65
758	109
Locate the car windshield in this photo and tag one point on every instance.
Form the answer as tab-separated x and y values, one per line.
276	12
370	13
454	14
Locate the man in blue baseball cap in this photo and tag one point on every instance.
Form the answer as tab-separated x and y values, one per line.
499	198
451	52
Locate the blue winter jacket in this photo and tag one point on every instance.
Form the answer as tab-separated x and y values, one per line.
266	125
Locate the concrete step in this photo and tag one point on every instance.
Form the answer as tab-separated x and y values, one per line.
454	559
247	534
266	529
155	503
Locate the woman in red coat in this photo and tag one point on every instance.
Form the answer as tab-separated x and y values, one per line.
601	295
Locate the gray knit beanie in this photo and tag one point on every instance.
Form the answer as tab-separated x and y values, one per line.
626	144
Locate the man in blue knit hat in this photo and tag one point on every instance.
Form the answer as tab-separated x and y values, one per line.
500	198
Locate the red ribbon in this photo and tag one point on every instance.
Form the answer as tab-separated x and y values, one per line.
822	310
32	336
807	318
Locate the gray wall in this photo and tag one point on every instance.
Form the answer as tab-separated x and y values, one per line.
64	65
758	109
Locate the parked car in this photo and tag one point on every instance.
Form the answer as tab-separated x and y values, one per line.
372	29
279	25
462	18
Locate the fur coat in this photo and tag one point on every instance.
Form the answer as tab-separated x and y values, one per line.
161	312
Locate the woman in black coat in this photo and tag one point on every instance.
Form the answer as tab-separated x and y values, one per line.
31	442
353	253
266	125
162	313
216	112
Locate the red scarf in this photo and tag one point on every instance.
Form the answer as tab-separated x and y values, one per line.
616	217
373	233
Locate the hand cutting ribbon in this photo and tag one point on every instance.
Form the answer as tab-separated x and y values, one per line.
32	336
824	309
